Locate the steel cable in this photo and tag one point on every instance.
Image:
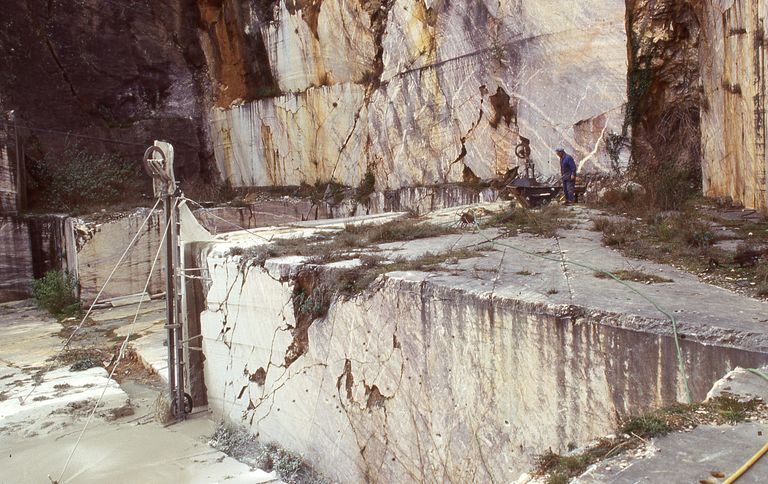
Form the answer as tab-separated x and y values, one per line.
121	353
96	299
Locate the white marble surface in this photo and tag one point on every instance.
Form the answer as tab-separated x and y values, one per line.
563	63
467	372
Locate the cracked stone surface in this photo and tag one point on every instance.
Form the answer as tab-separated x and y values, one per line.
418	91
36	437
470	371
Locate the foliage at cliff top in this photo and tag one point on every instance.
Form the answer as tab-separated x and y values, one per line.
78	180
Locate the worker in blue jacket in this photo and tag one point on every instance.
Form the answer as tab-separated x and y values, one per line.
568	173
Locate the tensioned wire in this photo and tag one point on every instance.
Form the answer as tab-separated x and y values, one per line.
96	299
123	347
654	303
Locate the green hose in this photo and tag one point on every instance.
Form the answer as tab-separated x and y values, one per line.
670	316
672	319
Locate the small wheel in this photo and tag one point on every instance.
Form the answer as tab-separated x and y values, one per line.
187	405
152	164
523	151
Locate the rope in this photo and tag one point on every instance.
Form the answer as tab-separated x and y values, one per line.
670	316
96	300
121	353
659	308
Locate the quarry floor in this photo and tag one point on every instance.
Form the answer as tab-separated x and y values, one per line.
130	446
123	442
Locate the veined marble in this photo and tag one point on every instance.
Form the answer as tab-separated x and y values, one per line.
455	85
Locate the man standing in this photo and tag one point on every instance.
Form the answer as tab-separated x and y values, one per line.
568	173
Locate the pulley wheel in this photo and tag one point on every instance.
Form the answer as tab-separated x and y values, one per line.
151	163
187	405
523	151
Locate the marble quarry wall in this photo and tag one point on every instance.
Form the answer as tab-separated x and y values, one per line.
100	245
733	118
696	92
89	247
8	192
15	260
417	92
29	247
423	380
265	213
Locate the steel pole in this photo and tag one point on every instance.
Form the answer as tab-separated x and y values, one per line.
178	329
170	298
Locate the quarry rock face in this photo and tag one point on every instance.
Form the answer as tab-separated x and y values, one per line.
664	93
16	260
415	92
30	246
696	93
128	71
100	244
734	75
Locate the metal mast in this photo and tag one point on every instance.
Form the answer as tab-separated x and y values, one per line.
158	161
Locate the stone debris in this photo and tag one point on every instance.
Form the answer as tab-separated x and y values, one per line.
743	384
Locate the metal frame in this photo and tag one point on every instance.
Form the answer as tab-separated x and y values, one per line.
158	161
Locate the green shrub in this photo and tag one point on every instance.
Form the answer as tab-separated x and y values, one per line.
617	233
668	186
646	426
76	179
393	231
633	275
732	410
55	292
558	478
366	188
332	193
315	304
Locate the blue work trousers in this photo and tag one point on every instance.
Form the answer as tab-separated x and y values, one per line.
569	189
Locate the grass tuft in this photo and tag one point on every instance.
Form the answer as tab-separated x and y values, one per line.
635	430
394	231
543	221
646	426
634	276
